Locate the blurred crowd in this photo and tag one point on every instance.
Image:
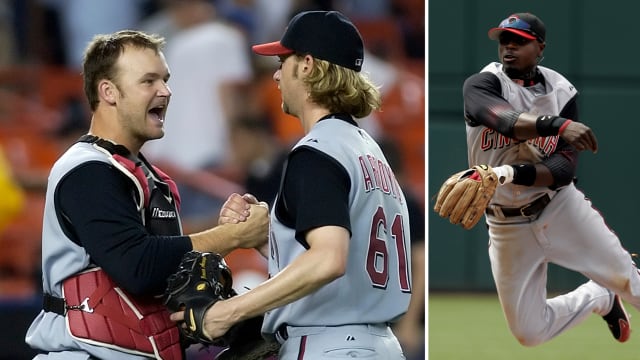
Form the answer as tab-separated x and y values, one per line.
225	131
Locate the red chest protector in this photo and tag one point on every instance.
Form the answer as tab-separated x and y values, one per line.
102	314
97	310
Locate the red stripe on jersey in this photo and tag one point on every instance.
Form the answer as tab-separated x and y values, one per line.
303	346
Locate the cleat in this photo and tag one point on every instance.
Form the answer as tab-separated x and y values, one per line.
618	321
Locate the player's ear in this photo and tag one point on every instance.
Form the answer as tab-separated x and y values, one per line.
107	91
540	55
307	64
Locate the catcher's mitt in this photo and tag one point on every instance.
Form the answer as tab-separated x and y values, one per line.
464	197
201	280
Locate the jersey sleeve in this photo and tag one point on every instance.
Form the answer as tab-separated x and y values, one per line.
484	104
570	110
563	162
96	207
416	218
316	191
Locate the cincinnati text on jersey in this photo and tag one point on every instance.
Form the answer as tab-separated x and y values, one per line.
492	140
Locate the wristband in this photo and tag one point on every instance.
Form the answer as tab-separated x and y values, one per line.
505	174
549	125
524	174
564	126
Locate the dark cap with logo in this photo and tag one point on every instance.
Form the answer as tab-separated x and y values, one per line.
526	25
326	35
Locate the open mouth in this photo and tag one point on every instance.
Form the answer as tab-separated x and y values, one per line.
158	112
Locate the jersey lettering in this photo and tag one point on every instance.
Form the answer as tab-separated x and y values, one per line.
378	256
158	213
366	175
546	145
383	178
492	140
378	253
374	168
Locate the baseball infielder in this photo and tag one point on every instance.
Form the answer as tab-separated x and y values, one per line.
522	119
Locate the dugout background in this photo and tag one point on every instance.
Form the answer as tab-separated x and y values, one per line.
595	45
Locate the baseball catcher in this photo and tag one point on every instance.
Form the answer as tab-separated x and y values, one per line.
203	279
465	195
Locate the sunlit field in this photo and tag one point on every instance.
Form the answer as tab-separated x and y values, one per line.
472	327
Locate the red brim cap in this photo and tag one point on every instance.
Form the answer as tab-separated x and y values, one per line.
495	33
271	49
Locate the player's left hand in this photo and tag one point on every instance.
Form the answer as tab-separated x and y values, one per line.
464	196
580	136
202	279
243	338
213	324
216	319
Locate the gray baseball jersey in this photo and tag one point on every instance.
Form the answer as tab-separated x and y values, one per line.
487	146
376	286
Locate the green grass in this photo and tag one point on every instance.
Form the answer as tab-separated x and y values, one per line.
471	326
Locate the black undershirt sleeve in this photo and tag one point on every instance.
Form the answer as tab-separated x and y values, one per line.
316	191
484	104
416	219
563	162
97	202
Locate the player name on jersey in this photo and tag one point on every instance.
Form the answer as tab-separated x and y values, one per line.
377	175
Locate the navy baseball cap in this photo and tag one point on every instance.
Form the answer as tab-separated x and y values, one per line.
526	25
326	35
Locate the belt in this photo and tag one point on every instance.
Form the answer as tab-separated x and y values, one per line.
284	331
282	334
532	209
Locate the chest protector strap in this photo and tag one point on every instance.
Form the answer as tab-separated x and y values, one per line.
138	169
100	313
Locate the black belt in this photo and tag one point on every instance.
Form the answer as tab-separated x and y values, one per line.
532	209
282	334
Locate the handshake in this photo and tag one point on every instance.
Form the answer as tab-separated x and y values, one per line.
243	224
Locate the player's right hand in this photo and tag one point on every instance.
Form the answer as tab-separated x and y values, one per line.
254	231
236	208
580	136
